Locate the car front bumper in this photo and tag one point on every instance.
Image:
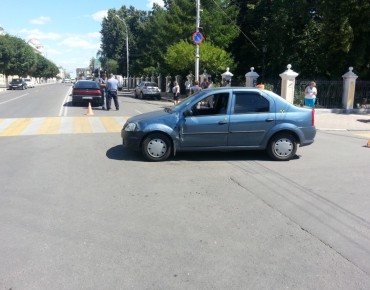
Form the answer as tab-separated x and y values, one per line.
131	140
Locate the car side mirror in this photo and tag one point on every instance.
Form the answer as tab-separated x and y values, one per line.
188	113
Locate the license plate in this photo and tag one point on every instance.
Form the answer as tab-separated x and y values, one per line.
87	98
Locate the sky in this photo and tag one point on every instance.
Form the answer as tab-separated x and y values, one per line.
69	31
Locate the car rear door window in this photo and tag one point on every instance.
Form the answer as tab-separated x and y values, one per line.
249	102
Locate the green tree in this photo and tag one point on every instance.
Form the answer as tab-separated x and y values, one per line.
112	66
44	68
214	59
6	53
18	57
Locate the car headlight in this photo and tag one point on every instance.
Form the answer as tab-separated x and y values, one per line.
130	127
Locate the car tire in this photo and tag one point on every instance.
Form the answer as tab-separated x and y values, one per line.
23	87
282	147
141	96
156	147
158	98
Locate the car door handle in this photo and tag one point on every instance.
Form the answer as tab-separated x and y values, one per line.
269	120
222	122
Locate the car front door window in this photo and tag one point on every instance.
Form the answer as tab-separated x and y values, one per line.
208	124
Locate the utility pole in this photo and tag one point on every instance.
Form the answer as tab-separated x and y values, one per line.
197	26
127	50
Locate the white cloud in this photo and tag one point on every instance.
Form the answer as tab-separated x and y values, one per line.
96	35
41	20
98	16
151	2
35	33
78	42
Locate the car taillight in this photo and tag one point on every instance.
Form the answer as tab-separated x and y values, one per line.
96	92
313	117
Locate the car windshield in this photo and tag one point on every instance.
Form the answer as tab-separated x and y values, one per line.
86	85
185	102
151	84
17	81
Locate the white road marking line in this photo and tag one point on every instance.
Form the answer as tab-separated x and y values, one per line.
21	96
63	109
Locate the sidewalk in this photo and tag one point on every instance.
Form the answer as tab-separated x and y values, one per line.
356	120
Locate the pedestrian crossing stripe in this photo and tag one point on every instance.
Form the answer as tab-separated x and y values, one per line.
60	125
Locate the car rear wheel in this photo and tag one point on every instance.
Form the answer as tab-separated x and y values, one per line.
282	147
156	147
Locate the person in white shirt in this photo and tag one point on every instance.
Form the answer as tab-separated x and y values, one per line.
112	88
176	92
310	94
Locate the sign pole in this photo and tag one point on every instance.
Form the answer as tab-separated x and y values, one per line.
197	44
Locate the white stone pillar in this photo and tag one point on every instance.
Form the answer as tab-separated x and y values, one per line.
287	84
251	78
349	86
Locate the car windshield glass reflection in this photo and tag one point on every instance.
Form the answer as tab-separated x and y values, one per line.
185	102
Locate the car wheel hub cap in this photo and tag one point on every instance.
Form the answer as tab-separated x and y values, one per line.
156	148
283	147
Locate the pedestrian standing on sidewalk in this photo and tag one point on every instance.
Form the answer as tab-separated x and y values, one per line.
196	88
310	94
112	88
176	92
187	87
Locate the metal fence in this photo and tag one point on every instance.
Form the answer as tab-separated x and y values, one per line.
329	92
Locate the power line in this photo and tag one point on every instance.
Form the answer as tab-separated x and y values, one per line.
231	20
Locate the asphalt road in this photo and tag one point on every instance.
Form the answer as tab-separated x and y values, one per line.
77	211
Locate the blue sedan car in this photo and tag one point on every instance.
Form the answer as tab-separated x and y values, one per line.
229	118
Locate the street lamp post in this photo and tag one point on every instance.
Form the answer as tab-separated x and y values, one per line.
124	22
264	50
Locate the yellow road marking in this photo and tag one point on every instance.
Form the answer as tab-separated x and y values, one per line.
60	125
110	124
364	135
16	127
81	125
50	126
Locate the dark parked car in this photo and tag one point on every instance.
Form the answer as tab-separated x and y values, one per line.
17	84
222	119
147	89
86	91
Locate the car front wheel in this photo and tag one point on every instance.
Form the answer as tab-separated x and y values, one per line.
141	95
156	147
282	147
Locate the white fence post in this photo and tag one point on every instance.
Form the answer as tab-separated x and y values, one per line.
287	84
349	86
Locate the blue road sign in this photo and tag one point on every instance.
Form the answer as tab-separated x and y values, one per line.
198	37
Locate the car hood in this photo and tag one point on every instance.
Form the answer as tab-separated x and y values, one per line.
164	117
150	115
